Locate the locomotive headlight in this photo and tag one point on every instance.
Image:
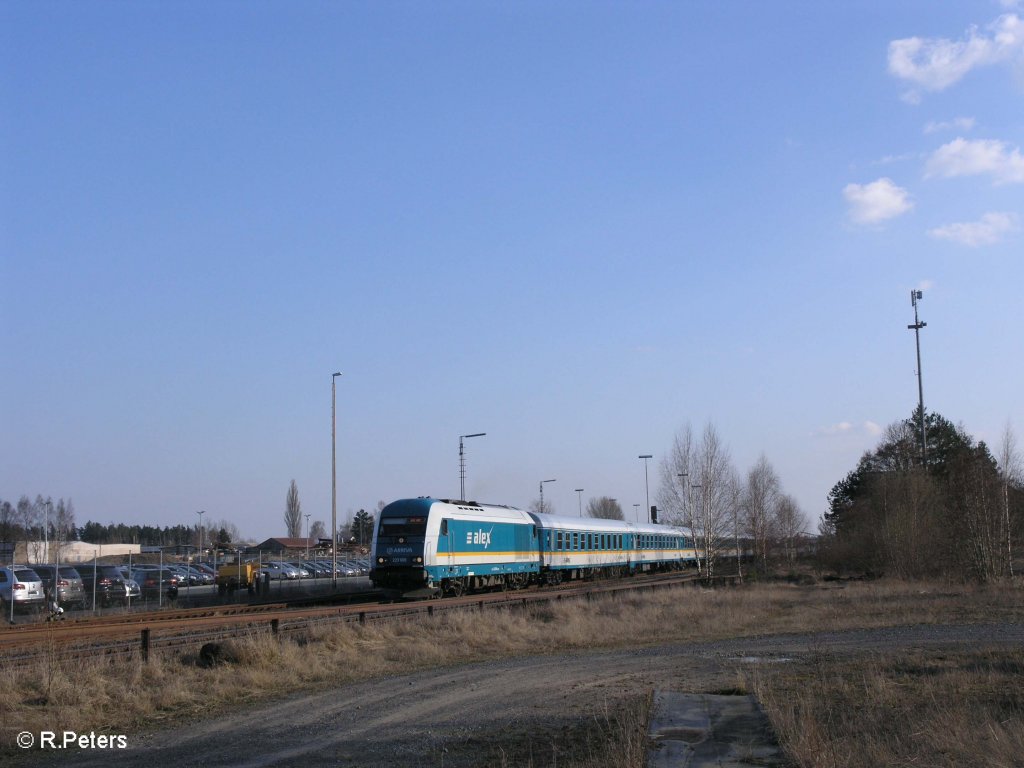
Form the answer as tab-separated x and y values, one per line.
380	560
418	559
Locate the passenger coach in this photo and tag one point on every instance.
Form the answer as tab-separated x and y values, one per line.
427	546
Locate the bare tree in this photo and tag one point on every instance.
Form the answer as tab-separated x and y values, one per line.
216	527
32	516
605	508
318	530
677	493
547	509
293	512
760	507
8	525
716	494
1010	466
790	522
63	526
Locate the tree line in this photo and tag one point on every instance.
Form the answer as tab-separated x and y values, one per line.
42	518
947	509
747	515
728	512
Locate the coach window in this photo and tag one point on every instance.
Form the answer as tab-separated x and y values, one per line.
575	541
444	527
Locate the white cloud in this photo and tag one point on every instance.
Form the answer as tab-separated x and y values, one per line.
875	202
961	157
956	124
869	428
986	231
937	63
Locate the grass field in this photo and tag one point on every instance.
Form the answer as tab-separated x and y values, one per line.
934	709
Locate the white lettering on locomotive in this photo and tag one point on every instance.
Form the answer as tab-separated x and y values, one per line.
479	537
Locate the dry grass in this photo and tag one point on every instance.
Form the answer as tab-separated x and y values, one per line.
118	694
924	708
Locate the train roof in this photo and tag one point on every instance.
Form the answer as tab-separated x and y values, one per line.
566	522
423	504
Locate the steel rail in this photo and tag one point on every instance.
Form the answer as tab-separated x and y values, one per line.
192	628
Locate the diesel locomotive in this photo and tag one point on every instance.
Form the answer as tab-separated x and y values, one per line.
441	547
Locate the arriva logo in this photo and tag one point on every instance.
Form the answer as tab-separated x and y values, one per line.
479	537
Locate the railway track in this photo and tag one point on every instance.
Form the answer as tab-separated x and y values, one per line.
146	631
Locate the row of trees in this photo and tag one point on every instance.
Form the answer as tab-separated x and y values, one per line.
702	490
952	509
43	519
360	529
36	520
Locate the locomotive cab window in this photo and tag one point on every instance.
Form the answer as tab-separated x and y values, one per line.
403	526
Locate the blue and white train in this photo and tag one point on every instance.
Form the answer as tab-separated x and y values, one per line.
430	546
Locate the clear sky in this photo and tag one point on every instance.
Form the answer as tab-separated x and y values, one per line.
575	226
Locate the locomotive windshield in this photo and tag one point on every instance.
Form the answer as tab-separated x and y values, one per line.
403	526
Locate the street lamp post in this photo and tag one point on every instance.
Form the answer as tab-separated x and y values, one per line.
334	482
696	549
636	512
647	487
307	537
462	464
201	512
916	328
542	493
579	497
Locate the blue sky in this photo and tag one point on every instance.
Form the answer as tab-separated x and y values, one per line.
573	226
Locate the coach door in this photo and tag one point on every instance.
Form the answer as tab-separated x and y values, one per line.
449	545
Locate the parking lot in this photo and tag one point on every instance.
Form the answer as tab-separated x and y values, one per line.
87	589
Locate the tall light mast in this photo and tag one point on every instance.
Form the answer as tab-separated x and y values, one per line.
915	296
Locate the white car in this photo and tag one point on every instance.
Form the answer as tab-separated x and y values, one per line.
280	570
20	585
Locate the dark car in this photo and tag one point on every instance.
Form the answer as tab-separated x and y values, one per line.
154	581
106	582
65	579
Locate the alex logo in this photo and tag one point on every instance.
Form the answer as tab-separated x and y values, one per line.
479	537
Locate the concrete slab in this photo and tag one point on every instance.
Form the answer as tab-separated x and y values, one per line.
697	730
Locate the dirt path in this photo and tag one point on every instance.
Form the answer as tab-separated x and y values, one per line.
451	717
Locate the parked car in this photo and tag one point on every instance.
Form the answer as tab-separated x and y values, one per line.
153	581
134	590
343	570
186	576
316	570
24	585
204	576
106	582
304	572
280	570
354	567
65	579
